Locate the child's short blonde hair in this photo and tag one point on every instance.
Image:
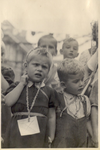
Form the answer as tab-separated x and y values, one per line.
51	38
69	67
68	40
38	51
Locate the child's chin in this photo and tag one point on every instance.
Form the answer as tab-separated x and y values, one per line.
77	93
36	80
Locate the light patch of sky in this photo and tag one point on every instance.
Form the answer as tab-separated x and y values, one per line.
56	16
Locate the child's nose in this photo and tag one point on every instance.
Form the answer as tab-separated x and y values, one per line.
71	49
39	68
47	48
81	83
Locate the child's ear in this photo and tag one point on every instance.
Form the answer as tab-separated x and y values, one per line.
63	86
61	51
25	65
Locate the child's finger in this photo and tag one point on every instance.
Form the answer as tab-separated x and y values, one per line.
27	78
25	73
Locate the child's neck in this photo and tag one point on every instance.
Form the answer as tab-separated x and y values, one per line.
70	93
34	82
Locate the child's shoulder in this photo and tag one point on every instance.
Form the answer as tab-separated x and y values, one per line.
48	89
86	103
85	99
11	87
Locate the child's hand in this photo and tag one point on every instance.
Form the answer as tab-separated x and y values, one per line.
49	142
24	79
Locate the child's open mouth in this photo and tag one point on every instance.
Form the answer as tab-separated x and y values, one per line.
80	89
71	54
38	75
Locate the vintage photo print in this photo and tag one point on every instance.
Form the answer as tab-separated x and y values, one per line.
49	74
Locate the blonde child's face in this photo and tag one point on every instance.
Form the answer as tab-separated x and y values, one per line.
38	68
49	45
74	84
70	49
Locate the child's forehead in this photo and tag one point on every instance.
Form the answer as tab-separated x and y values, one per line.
37	56
74	43
78	76
39	59
48	40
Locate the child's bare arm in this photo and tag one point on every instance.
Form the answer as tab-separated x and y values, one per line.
12	97
4	84
51	123
94	122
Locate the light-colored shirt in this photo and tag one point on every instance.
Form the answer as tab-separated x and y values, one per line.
75	106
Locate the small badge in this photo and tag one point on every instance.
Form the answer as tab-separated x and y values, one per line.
28	128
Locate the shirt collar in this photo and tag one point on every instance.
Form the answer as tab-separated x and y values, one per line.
30	83
69	96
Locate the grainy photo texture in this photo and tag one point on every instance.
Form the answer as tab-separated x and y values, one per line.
49	73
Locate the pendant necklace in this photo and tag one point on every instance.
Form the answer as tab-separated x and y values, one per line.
27	101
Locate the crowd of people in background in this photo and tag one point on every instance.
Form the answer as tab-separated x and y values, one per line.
51	106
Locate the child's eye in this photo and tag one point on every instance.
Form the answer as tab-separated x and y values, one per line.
51	47
35	64
75	81
44	46
44	67
67	47
75	48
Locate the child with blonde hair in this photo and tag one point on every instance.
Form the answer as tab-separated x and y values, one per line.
32	104
50	43
70	48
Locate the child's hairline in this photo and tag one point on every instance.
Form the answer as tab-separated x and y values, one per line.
28	60
66	76
33	56
72	40
39	41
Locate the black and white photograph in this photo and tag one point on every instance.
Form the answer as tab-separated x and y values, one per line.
49	74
